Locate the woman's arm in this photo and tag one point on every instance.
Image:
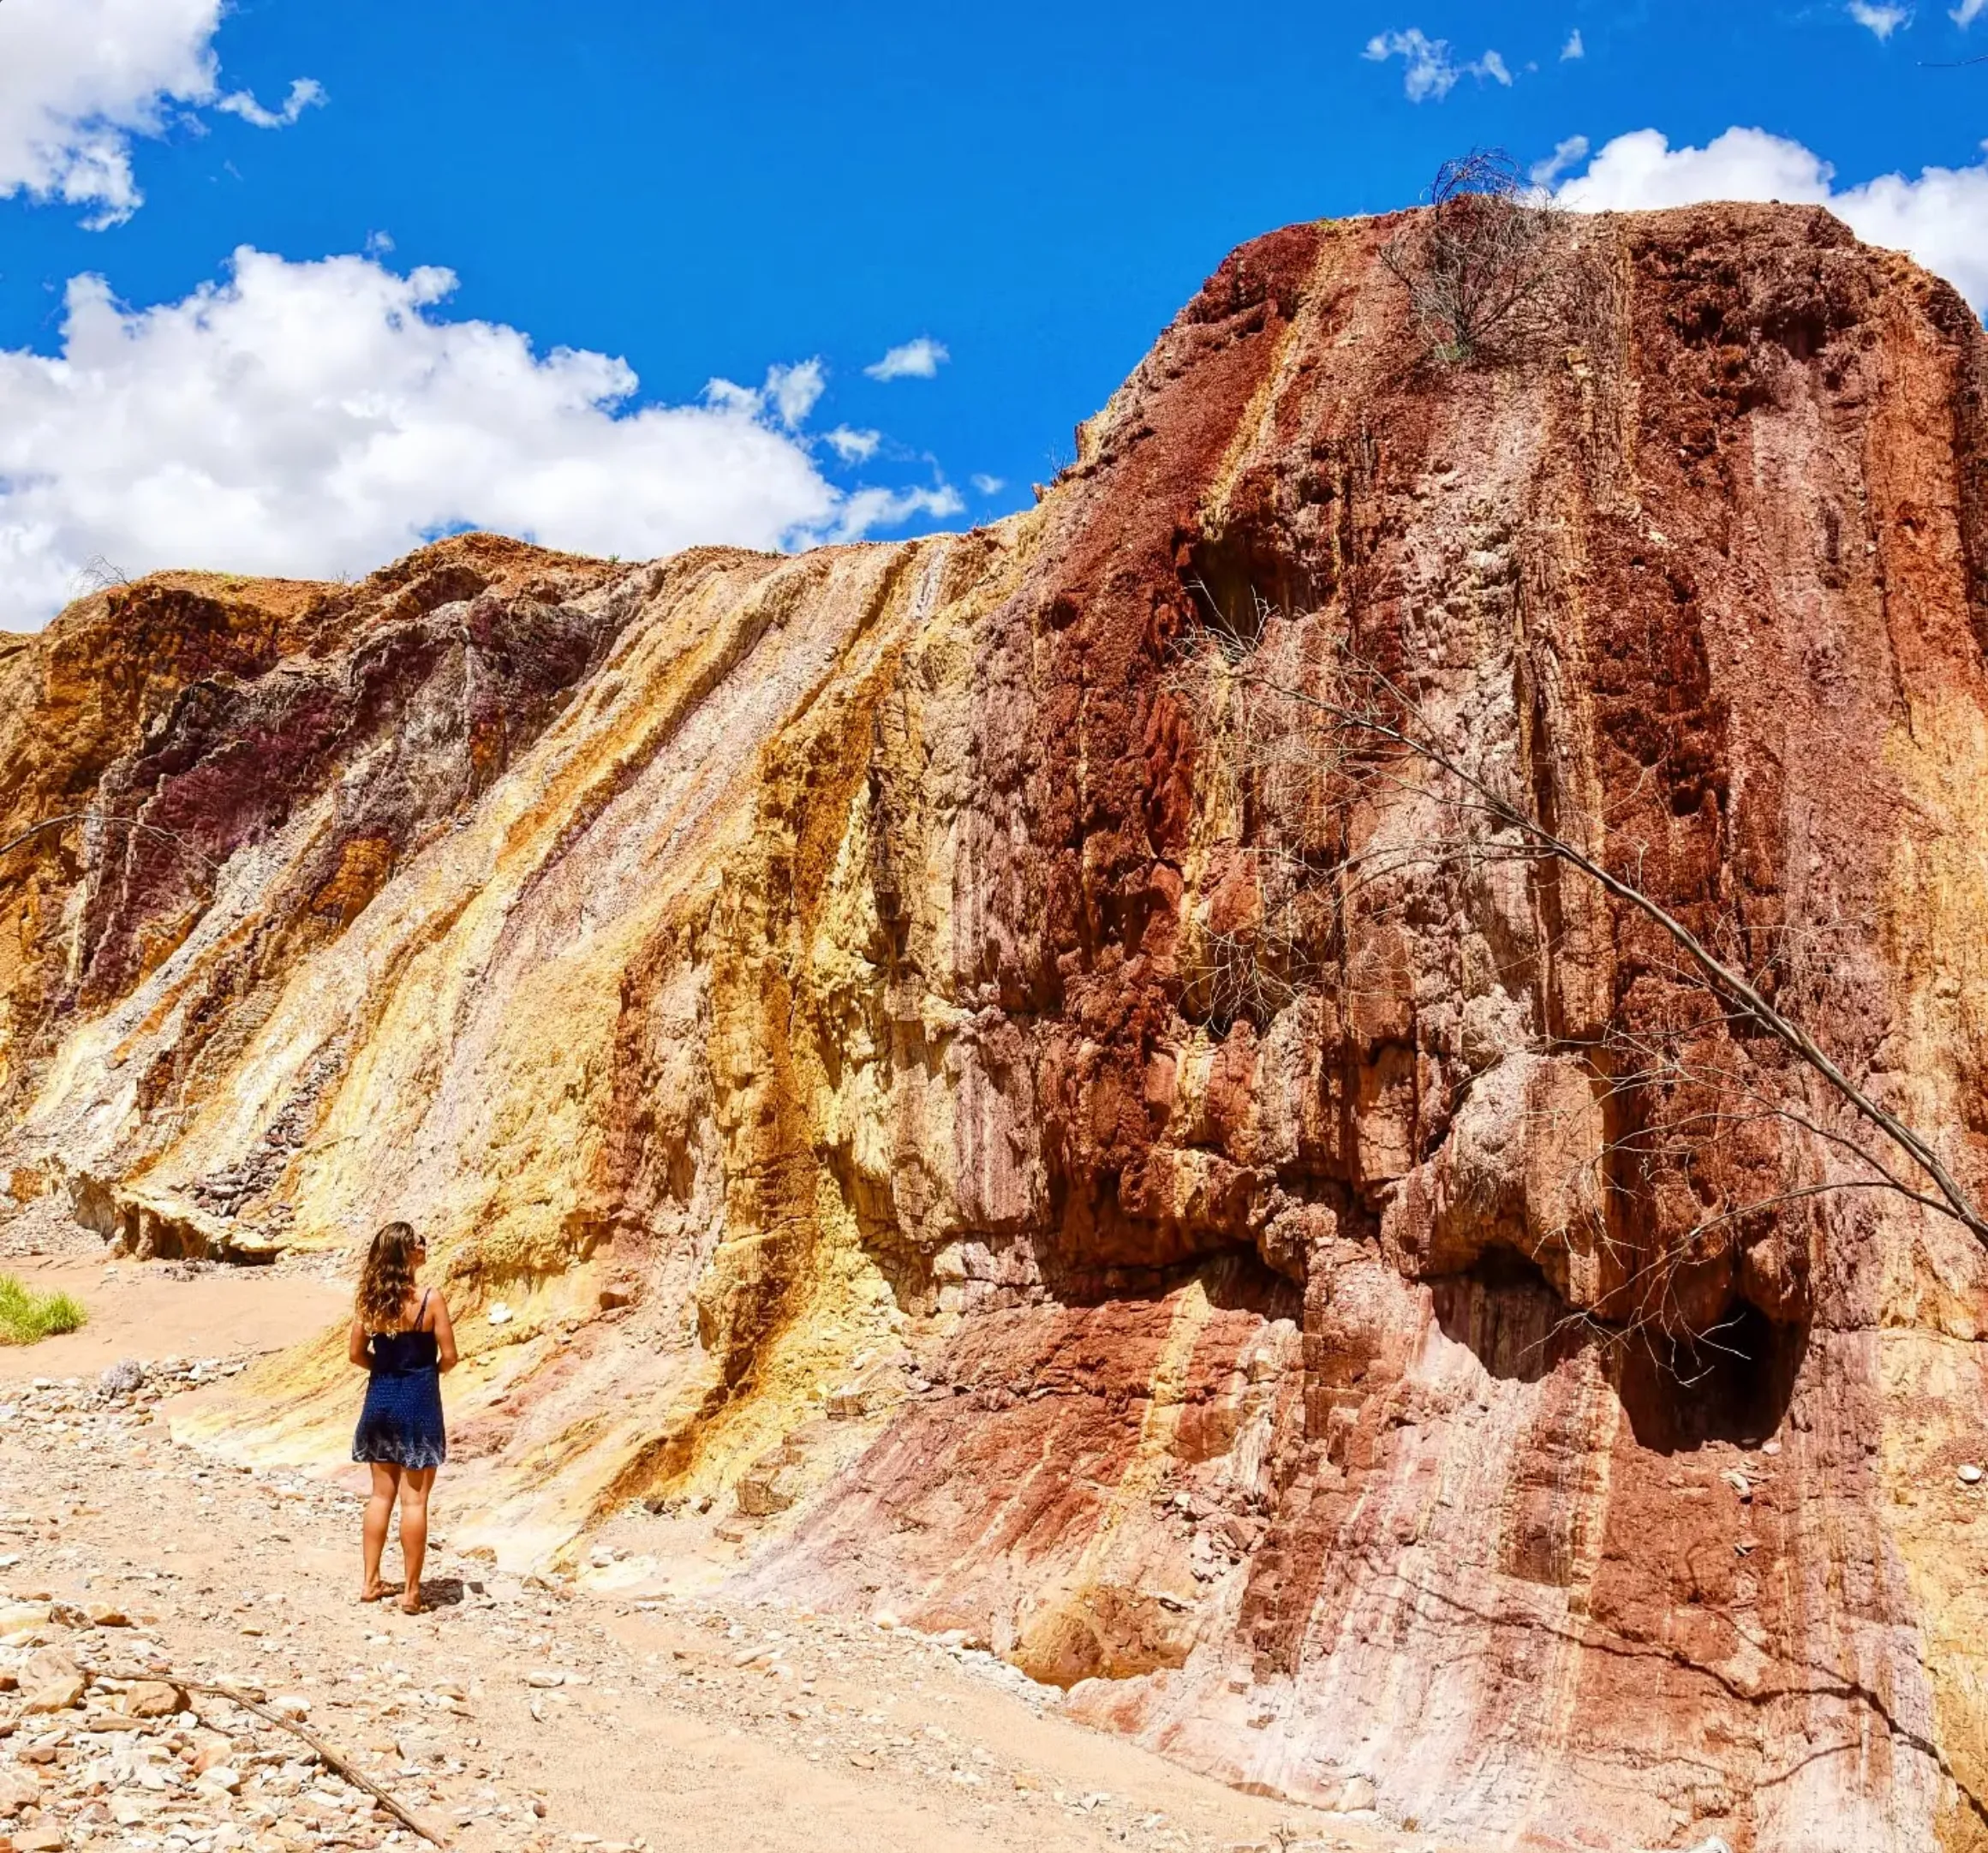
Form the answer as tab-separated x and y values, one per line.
446	1352
356	1344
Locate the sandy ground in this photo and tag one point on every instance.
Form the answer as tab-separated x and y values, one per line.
514	1714
140	1310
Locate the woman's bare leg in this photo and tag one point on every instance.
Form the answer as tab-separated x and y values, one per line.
414	1487
379	1511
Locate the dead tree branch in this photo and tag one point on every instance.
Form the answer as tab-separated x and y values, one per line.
331	1759
132	824
1337	740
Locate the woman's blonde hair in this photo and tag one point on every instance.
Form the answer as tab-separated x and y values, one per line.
387	1281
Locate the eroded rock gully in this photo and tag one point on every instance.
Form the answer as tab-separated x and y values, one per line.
789	985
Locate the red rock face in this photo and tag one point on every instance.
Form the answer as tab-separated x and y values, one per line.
1473	1548
1355	1315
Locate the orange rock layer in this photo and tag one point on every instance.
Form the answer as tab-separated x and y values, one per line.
796	988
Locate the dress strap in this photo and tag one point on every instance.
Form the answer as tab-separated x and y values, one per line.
421	1311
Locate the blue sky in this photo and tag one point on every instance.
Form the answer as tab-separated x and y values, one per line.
705	192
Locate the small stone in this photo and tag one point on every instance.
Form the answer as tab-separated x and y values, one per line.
545	1678
18	1618
122	1378
292	1706
52	1682
1970	1475
221	1779
153	1698
38	1840
499	1314
18	1790
107	1615
212	1756
1355	1798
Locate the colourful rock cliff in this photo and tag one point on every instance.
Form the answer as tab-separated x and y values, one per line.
795	987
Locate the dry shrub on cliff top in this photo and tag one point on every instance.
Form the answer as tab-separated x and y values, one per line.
1479	260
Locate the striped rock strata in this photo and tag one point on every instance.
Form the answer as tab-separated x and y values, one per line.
784	982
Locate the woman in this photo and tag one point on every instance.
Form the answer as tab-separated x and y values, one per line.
400	1333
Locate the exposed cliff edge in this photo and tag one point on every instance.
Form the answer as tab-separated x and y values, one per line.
783	981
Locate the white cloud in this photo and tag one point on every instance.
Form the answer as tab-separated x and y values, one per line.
80	79
1574	47
1941	217
867	509
1968	11
915	360
988	484
1430	73
794	389
1566	156
1882	20
852	446
305	92
314	418
1431	70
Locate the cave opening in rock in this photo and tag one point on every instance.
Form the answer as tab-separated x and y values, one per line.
1505	1310
1239	579
1731	1383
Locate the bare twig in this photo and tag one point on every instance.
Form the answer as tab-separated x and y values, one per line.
1312	747
331	1759
1724	979
133	824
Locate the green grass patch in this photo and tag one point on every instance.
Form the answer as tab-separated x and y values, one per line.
25	1316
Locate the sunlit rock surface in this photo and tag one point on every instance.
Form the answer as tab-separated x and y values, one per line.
785	984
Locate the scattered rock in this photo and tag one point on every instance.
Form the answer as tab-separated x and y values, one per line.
18	1790
52	1682
1358	1797
1970	1475
122	1379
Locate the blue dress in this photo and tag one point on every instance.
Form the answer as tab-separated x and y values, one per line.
401	1422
